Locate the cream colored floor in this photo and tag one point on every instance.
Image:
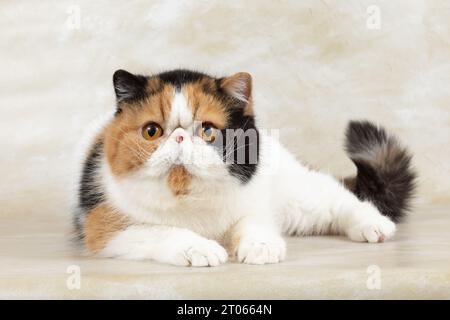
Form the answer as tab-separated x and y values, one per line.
315	65
416	264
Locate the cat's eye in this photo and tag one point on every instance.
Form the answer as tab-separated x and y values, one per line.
208	132
152	131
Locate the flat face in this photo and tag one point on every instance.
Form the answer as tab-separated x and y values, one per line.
179	125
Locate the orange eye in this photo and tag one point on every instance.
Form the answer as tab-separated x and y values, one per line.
208	132
152	131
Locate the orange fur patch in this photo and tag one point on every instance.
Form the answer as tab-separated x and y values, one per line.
101	224
154	85
125	148
179	180
230	240
205	107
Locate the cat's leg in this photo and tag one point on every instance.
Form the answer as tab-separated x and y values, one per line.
255	240
111	235
165	244
319	204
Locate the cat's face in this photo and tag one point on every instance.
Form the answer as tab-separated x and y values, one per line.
181	125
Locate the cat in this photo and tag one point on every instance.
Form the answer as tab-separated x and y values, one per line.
181	175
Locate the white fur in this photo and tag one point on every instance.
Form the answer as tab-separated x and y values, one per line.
289	199
166	244
180	114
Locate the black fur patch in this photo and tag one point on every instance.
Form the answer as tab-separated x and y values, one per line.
241	143
236	139
384	173
90	193
178	78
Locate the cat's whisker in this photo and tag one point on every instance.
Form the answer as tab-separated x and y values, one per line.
232	151
141	150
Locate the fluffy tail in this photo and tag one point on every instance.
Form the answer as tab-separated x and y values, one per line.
384	173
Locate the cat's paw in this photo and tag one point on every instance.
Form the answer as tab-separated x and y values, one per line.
201	253
190	249
261	251
371	227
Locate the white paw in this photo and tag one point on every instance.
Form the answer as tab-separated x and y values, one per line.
372	227
259	251
200	253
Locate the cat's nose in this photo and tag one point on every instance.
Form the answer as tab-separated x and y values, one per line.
179	139
179	135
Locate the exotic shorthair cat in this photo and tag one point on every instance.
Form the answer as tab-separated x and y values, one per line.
182	175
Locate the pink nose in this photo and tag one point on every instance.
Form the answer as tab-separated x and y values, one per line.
179	139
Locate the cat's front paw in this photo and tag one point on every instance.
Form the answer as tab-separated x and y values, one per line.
197	252
371	227
261	251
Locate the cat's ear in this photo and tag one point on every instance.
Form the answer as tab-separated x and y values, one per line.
238	85
128	86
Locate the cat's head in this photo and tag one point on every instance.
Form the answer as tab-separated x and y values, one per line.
180	126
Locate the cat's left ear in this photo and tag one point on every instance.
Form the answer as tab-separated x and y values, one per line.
128	86
239	86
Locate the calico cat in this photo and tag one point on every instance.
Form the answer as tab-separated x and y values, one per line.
182	175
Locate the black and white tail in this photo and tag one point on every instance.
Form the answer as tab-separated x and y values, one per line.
384	174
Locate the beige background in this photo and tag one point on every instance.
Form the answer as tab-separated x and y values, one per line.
315	64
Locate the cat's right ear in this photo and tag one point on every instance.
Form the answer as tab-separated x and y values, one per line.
128	86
